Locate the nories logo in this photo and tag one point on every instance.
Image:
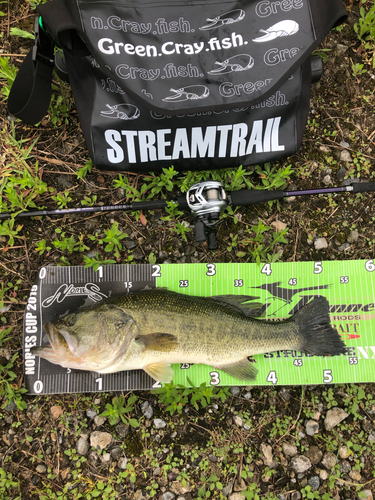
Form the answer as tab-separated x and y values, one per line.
283	302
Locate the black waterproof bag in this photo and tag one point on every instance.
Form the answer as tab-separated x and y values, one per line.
198	84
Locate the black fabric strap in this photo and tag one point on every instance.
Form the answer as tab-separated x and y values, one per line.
30	95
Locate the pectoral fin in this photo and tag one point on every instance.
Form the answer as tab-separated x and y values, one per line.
162	372
162	342
243	370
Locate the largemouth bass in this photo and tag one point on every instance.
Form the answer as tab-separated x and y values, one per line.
152	329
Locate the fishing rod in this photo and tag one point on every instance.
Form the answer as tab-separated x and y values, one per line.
206	200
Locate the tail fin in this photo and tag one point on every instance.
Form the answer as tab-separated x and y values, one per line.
318	335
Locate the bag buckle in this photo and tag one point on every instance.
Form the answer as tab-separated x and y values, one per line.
43	46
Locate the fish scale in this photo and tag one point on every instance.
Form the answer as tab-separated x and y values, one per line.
153	329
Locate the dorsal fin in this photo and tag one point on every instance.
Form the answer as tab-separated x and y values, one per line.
240	303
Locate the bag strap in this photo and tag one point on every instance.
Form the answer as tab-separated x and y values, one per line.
30	95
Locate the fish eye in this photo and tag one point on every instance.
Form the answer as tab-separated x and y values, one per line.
71	320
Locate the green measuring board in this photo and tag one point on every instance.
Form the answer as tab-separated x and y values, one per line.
281	288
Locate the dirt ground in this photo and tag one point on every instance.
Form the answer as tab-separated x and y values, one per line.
257	441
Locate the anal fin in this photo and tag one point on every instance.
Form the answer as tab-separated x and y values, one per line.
243	370
162	372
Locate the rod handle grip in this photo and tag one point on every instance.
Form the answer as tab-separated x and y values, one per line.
246	197
362	187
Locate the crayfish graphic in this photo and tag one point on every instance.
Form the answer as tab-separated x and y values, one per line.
233	16
122	112
240	62
283	28
189	93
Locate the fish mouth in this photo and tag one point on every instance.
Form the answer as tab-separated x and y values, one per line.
58	346
63	350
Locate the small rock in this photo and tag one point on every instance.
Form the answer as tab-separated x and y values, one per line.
157	472
344	452
41	469
296	495
240	485
236	496
179	489
227	490
300	464
99	421
238	420
366	495
327	180
129	244
345	156
314	483
106	458
159	423
334	417
341	174
367	425
91	414
341	49
371	437
82	446
100	440
323	474
324	149
122	463
93	456
312	428
212	458
122	429
343	247
141	495
345	467
266	451
320	244
11	406
329	460
147	409
285	394
290	450
56	412
314	455
248	395
116	453
355	475
64	180
279	226
234	390
353	236
289	199
168	496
